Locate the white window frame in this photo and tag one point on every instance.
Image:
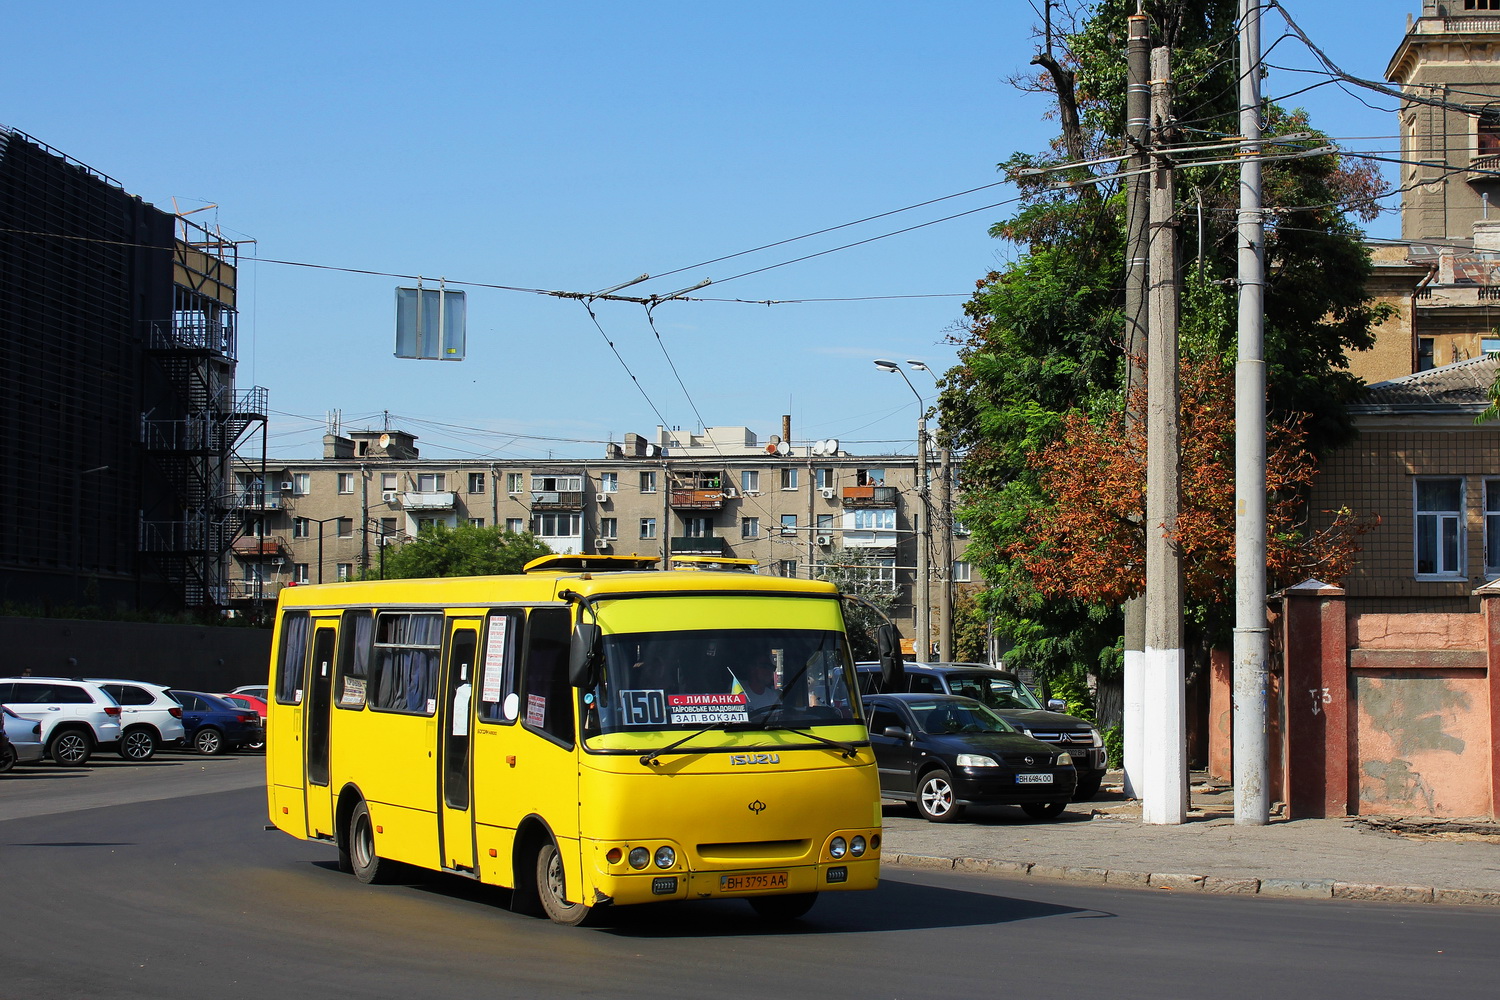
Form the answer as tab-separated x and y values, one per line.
648	482
648	527
749	527
476	479
1491	529
963	572
515	482
301	484
515	525
346	482
432	482
1433	526
389	482
609	482
300	573
789	478
609	527
750	481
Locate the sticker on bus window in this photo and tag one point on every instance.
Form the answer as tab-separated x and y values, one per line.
643	707
536	710
494	659
708	709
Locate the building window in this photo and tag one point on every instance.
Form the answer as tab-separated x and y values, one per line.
1440	527
750	481
825	523
426	524
346	482
1487	127
788	524
557	484
609	527
389	482
648	527
787	568
301	527
302	484
869	477
513	482
346	527
346	571
824	478
432	482
789	479
1492	528
560	524
698	527
514	525
872	519
476	522
962	572
749	527
609	482
1424	353
476	482
1490	345
299	573
648	482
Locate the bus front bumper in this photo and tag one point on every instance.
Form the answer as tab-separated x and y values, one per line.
652	887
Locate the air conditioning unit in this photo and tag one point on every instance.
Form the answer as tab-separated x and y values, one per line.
827	492
824	539
601	544
388	496
600	497
730	493
287	487
387	539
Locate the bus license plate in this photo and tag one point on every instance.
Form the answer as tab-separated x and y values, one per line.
756	880
1033	779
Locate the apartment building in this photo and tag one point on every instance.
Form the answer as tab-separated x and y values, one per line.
722	492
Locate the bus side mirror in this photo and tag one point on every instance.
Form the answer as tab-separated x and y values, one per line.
892	667
586	637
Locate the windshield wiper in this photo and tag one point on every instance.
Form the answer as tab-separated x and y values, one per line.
850	750
650	758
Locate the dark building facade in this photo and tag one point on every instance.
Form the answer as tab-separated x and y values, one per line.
118	413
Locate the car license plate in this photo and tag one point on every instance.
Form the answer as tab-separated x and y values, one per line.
1033	779
756	880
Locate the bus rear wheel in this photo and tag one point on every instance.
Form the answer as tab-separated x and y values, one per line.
369	867
552	887
781	909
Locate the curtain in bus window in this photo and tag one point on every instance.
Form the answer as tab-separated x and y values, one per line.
293	657
405	665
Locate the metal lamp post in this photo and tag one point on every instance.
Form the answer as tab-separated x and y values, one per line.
945	533
920	592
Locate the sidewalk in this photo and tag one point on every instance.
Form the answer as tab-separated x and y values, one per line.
1105	842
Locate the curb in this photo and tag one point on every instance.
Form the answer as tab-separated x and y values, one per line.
1216	884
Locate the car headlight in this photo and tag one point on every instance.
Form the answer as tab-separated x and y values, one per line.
665	857
639	857
857	846
1064	758
974	760
837	848
1098	740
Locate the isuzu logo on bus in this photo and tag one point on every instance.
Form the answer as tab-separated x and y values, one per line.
754	758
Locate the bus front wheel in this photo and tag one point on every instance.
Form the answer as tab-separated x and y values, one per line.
368	866
552	887
783	908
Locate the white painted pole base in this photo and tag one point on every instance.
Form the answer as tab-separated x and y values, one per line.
1164	798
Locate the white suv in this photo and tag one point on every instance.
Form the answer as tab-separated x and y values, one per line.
76	715
149	717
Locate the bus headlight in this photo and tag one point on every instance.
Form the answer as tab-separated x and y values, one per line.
974	760
837	848
665	857
639	857
1064	758
857	846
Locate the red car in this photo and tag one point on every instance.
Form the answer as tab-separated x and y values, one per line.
251	702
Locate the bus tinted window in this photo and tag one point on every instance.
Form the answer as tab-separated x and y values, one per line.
548	701
354	659
293	658
404	669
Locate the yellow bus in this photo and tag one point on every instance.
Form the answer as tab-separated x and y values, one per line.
590	733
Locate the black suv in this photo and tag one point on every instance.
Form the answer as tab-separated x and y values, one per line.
1014	702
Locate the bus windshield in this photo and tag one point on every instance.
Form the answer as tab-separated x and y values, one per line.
742	678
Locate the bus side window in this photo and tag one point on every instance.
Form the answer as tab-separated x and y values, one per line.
293	662
404	668
547	704
354	659
497	674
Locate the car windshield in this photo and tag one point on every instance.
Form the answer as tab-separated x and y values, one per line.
939	717
996	692
712	678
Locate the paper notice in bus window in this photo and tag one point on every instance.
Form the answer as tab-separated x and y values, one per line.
536	710
494	659
354	691
707	709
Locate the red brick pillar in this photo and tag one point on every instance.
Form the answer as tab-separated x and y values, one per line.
1489	602
1317	701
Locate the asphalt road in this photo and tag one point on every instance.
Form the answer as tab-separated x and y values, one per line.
123	881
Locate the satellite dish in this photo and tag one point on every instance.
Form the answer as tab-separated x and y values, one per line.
771	449
833	446
385	440
817	447
783	449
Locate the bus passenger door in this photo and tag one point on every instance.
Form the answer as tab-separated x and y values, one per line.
455	764
315	746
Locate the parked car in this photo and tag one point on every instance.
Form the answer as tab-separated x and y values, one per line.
941	753
213	725
22	742
1014	702
261	691
150	718
258	705
77	716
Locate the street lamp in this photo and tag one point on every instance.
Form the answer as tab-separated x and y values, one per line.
921	595
945	534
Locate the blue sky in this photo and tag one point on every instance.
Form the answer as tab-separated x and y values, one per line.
572	147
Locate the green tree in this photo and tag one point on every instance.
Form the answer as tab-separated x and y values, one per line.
858	574
462	551
1044	337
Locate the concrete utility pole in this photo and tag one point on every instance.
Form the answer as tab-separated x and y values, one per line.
1164	798
1252	803
945	549
922	589
1137	271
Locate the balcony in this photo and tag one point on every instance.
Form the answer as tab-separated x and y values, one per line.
869	496
255	500
441	500
697	499
551	500
259	546
249	590
710	546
